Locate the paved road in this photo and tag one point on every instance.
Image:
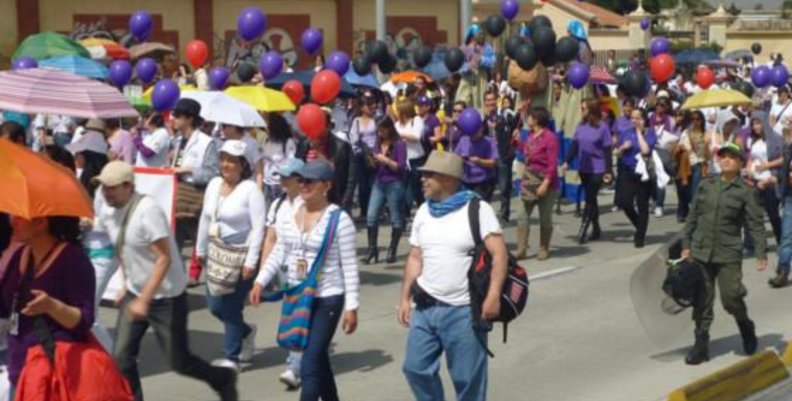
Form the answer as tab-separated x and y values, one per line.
579	341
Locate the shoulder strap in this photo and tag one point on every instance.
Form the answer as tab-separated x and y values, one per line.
278	205
119	245
329	237
473	217
40	329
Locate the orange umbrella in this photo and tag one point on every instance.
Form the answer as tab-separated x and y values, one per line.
34	186
409	77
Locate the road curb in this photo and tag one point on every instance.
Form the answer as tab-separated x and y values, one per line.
736	382
787	357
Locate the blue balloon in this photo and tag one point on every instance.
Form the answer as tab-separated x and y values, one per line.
165	95
469	121
761	76
311	40
218	77
270	64
338	61
24	63
779	76
660	46
251	23
140	24
578	75
120	72
146	69
509	9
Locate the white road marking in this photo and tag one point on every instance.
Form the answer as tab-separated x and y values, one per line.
553	273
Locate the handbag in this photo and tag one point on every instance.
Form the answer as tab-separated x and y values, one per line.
224	262
296	310
67	371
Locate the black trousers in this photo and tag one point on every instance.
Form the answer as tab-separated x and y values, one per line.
632	194
591	185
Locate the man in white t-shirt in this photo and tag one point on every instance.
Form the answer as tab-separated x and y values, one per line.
281	212
781	110
436	279
155	283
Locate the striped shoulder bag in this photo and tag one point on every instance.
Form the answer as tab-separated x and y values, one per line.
295	321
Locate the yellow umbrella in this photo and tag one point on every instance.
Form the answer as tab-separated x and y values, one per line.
715	98
261	98
184	88
97	42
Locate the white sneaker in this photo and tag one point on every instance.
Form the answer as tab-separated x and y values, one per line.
658	212
226	363
248	345
290	379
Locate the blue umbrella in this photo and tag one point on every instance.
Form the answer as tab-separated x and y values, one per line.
695	56
365	80
305	78
76	65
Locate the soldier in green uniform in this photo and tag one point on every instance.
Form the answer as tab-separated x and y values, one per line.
722	206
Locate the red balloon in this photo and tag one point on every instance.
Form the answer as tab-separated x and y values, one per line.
312	121
196	52
705	77
294	90
325	86
662	67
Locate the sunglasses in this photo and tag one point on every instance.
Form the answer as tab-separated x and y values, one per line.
305	181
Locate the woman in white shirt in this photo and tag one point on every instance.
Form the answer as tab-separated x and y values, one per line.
152	142
761	150
277	150
337	290
233	213
410	128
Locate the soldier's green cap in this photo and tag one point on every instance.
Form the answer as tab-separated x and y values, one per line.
733	149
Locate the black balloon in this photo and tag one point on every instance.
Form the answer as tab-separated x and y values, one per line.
549	60
362	65
512	43
526	57
544	40
746	88
635	82
246	72
756	48
423	56
567	49
377	51
454	59
388	65
540	21
495	25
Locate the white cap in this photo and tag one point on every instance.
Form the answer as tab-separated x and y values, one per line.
116	173
234	147
663	93
91	140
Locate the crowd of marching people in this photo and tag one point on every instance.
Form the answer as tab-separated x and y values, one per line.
271	214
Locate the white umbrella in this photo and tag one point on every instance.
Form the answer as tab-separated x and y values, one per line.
218	107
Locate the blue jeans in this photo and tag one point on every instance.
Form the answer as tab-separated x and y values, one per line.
228	308
316	373
785	248
366	177
445	328
393	193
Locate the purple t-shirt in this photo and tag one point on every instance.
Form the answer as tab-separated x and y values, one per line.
70	278
398	154
593	142
123	146
430	123
485	148
621	124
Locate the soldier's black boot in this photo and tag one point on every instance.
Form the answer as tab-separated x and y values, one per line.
372	253
582	235
748	333
700	351
596	232
396	234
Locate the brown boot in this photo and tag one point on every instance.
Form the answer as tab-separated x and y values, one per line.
545	234
779	281
523	233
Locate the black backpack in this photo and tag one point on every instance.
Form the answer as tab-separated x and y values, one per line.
514	295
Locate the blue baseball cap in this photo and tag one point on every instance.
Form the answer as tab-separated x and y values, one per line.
424	100
291	167
317	170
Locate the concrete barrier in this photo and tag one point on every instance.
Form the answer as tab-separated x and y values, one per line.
736	382
787	357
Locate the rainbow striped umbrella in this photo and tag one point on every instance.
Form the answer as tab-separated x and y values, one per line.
48	91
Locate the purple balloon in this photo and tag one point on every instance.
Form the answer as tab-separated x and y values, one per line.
218	77
509	9
469	121
645	23
140	24
578	75
311	40
251	23
779	76
24	63
146	69
338	61
761	76
120	72
165	95
270	64
660	46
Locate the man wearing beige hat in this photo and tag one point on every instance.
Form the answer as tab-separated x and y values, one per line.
155	283
435	278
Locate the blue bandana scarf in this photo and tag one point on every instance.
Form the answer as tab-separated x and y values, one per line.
450	204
